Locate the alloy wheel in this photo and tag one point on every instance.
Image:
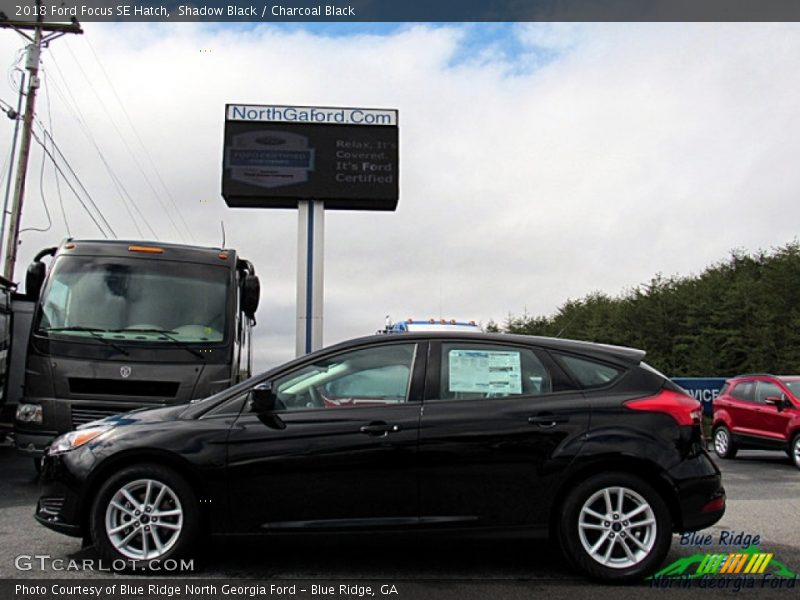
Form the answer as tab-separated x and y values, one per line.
617	527
144	519
721	442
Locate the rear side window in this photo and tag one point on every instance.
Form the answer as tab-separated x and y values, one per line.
743	391
471	371
588	373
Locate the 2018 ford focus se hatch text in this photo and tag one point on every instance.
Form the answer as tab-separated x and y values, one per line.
437	432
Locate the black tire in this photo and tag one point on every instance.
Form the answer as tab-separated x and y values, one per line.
633	564
794	450
723	443
178	496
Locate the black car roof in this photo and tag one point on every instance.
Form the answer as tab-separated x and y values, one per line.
607	351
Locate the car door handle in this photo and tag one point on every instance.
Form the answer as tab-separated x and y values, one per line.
547	420
379	429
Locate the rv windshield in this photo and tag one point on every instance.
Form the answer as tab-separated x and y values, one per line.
136	300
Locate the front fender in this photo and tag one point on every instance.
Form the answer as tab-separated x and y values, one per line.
722	417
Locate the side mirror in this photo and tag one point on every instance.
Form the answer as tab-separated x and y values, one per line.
263	399
778	402
251	293
34	278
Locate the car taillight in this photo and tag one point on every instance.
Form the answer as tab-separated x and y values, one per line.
716	504
681	407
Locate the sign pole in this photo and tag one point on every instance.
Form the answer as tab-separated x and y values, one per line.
313	158
310	275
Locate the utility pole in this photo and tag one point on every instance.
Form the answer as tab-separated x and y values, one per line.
39	39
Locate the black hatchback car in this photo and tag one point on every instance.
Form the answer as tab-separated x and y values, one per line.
444	433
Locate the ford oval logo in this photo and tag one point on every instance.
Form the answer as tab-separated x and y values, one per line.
125	371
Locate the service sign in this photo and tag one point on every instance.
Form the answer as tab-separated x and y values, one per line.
275	156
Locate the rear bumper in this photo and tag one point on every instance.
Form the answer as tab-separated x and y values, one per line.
700	493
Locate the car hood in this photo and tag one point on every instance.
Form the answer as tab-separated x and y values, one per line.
140	415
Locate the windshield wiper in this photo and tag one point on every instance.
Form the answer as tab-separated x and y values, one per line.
94	331
167	334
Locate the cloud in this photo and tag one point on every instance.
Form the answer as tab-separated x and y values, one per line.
573	159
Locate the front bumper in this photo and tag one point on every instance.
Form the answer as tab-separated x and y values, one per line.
59	506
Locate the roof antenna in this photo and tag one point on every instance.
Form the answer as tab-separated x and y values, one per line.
222	225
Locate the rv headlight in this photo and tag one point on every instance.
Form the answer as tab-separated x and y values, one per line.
29	413
76	439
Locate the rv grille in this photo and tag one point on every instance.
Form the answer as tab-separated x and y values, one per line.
87	415
118	387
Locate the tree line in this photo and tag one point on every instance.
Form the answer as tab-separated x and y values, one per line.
740	315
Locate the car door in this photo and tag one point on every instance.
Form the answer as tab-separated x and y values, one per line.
772	423
500	424
339	451
742	408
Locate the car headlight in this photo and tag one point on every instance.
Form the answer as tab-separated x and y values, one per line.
29	413
76	439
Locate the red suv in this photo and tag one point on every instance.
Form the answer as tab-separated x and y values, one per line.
758	412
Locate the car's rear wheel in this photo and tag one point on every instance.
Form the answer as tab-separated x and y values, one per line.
723	443
794	452
143	513
615	527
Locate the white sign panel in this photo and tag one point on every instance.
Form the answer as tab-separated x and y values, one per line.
485	371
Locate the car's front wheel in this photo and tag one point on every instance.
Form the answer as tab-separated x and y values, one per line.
615	527
143	513
723	443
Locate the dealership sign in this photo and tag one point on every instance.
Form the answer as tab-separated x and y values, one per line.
703	389
276	156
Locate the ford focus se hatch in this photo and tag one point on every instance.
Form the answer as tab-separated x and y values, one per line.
432	432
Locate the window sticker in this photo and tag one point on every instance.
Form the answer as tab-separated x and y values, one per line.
485	371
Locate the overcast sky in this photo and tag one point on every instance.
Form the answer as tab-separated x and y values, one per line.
538	162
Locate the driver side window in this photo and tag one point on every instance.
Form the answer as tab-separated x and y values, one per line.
373	377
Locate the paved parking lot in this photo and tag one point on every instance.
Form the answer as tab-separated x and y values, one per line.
763	499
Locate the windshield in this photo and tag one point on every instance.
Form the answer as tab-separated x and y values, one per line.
793	385
136	300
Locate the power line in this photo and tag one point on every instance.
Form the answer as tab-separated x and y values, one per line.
125	204
127	146
77	179
55	173
74	109
44	200
138	137
77	195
